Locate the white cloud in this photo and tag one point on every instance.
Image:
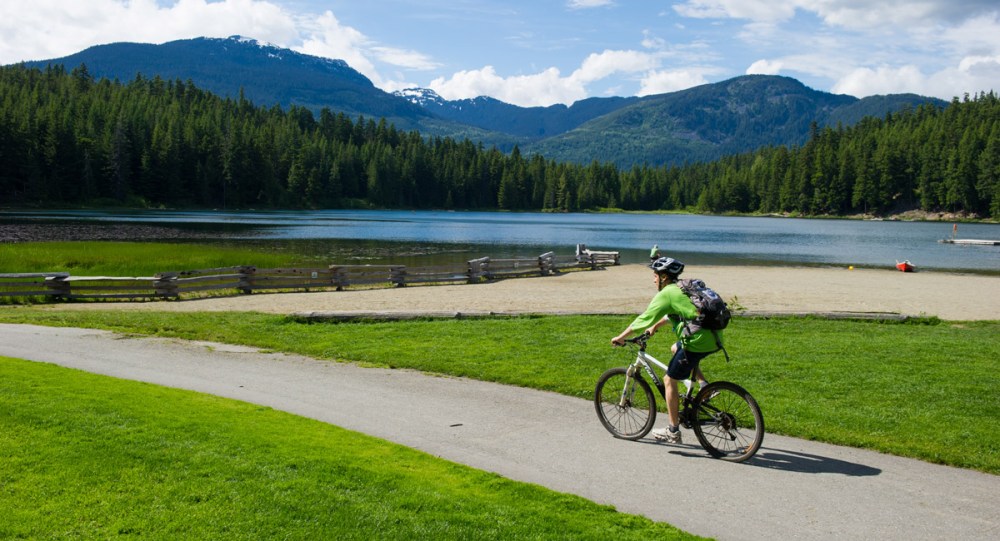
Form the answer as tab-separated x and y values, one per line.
853	14
977	35
661	82
822	64
971	75
540	89
598	66
754	10
881	80
328	38
404	58
938	48
765	67
986	68
650	41
40	29
584	4
908	15
960	58
549	86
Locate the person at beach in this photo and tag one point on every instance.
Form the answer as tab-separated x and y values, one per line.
672	306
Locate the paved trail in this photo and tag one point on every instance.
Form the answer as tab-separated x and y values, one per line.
793	489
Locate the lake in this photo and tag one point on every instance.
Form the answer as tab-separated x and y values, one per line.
352	236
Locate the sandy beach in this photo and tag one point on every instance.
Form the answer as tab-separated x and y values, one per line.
627	289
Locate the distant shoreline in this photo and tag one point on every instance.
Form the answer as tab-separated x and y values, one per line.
907	216
914	215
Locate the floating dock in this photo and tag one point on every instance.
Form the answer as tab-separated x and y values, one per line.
979	242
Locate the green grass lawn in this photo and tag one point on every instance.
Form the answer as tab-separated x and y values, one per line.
98	258
928	390
92	457
86	456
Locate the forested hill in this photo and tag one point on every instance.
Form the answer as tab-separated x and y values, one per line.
702	123
706	122
67	138
266	74
928	159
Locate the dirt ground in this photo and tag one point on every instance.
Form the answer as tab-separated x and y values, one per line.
628	288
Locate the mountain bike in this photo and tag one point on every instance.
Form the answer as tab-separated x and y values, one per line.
724	416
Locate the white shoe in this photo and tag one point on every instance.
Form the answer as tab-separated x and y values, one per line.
664	434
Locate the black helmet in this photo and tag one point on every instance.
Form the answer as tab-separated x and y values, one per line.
667	265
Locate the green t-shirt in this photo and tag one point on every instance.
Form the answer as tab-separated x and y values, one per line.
673	303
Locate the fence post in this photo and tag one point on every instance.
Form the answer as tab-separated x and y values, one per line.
246	283
545	263
59	286
478	268
338	277
397	275
166	284
472	271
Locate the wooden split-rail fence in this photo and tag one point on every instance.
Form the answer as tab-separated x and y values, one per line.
248	279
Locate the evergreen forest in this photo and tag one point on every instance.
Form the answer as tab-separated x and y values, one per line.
69	139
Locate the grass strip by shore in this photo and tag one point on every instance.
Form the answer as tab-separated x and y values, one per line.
926	389
102	258
89	456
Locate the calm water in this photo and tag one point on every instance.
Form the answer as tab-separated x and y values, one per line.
402	236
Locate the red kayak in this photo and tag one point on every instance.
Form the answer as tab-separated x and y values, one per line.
904	266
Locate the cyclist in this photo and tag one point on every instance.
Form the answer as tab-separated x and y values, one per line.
672	306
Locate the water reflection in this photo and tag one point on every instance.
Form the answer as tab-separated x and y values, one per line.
438	236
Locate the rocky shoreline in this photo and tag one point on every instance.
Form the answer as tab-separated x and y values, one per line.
37	232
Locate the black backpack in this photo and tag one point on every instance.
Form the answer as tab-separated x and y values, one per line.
713	314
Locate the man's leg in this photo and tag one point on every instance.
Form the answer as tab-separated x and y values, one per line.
673	401
671	434
677	369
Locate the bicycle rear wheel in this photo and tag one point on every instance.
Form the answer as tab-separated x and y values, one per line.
625	405
728	421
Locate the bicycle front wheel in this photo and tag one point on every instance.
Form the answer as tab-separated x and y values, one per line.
625	405
728	421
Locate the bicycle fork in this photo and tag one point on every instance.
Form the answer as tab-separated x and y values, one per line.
625	398
629	388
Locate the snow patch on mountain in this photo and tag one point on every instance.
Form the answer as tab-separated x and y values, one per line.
421	96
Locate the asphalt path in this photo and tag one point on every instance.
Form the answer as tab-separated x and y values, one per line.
792	489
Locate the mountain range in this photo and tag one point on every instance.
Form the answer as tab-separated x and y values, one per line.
702	123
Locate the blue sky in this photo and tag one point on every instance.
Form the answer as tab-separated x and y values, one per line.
559	51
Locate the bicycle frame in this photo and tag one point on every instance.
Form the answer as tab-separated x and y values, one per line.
645	361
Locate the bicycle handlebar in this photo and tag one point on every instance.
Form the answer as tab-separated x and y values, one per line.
639	340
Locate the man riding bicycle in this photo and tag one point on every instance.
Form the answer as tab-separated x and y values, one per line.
671	305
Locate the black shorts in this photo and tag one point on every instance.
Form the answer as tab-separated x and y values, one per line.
684	362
